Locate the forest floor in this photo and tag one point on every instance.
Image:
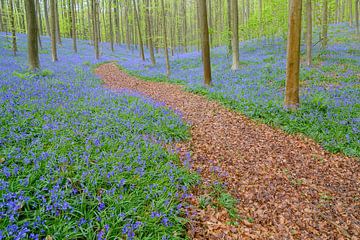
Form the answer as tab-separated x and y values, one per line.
286	186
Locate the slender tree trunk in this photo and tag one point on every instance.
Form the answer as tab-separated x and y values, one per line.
117	22
127	26
139	31
167	62
39	17
38	22
324	31
2	28
90	25
293	56
32	29
235	35
357	17
58	34
111	27
205	43
46	9
184	26
13	27
73	22
53	30
309	33
350	13
95	28
229	47
148	30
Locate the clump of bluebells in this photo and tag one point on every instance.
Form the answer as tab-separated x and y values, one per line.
330	90
80	161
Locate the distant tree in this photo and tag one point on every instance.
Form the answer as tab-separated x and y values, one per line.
235	35
350	13
357	17
229	45
58	34
149	34
324	29
308	32
13	27
167	62
2	27
205	42
32	29
136	13
293	55
53	30
111	30
95	28
73	22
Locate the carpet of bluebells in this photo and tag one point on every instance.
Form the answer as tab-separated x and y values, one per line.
330	90
78	161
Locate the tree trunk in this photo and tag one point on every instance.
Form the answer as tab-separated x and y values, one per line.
2	28
13	27
184	26
95	28
350	13
117	22
53	30
205	41
73	27
229	27
38	22
139	31
167	62
32	29
235	35
324	31
148	30
46	9
58	35
293	55
357	17
309	33
111	32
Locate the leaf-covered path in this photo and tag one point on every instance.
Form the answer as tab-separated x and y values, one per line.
288	185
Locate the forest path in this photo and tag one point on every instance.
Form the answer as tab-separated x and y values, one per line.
287	185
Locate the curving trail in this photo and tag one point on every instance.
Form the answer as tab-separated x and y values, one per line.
289	185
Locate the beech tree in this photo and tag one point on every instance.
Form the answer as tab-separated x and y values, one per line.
32	30
53	30
13	28
235	35
205	42
166	50
308	32
293	55
324	30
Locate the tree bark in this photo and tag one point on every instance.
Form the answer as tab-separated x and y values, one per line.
148	29
117	22
32	29
235	35
73	22
111	31
205	43
229	27
139	31
324	31
350	13
58	34
293	56
309	33
95	28
53	30
13	27
357	17
47	24
167	62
